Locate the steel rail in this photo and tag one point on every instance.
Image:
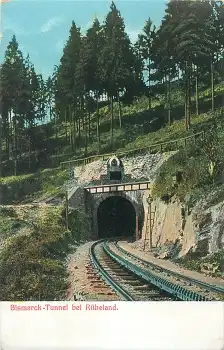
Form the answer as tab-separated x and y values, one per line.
174	289
207	286
105	276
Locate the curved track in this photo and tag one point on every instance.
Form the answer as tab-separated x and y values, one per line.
203	287
124	282
133	278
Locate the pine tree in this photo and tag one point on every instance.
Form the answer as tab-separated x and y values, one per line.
189	39
66	82
145	42
94	46
164	60
116	59
12	74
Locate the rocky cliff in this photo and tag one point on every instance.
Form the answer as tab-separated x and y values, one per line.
179	231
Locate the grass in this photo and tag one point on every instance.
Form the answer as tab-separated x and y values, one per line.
43	184
33	261
140	127
168	133
52	181
8	180
49	182
193	164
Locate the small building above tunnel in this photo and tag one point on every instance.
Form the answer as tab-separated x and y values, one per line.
115	169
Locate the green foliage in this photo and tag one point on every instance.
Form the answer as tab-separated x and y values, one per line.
45	183
52	181
8	226
104	61
16	179
194	162
79	224
33	265
197	263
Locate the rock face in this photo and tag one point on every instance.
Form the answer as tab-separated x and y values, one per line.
201	231
168	227
135	168
211	226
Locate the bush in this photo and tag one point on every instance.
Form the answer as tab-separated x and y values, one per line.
193	167
200	164
47	182
197	263
79	224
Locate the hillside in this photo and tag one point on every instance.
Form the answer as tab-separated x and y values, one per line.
140	128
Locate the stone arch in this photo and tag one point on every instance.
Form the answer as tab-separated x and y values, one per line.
139	210
114	160
115	169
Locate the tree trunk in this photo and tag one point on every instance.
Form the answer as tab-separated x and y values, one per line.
86	132
0	145
149	88
112	124
66	131
79	128
55	124
15	145
84	118
10	134
169	101
74	127
77	123
97	121
7	135
120	110
196	92
29	151
212	86
80	116
70	127
89	125
186	96
50	112
189	96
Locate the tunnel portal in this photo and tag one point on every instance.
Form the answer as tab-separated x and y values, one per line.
116	216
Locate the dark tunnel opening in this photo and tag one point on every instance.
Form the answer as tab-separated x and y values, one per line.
116	216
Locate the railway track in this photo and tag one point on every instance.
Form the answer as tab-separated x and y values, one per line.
215	292
124	282
133	278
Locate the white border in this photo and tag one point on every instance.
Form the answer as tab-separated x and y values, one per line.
134	325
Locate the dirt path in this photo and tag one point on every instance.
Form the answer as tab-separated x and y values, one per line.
82	286
170	265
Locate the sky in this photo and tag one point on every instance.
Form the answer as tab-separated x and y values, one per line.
42	26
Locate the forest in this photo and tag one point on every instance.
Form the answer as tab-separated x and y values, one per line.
103	74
